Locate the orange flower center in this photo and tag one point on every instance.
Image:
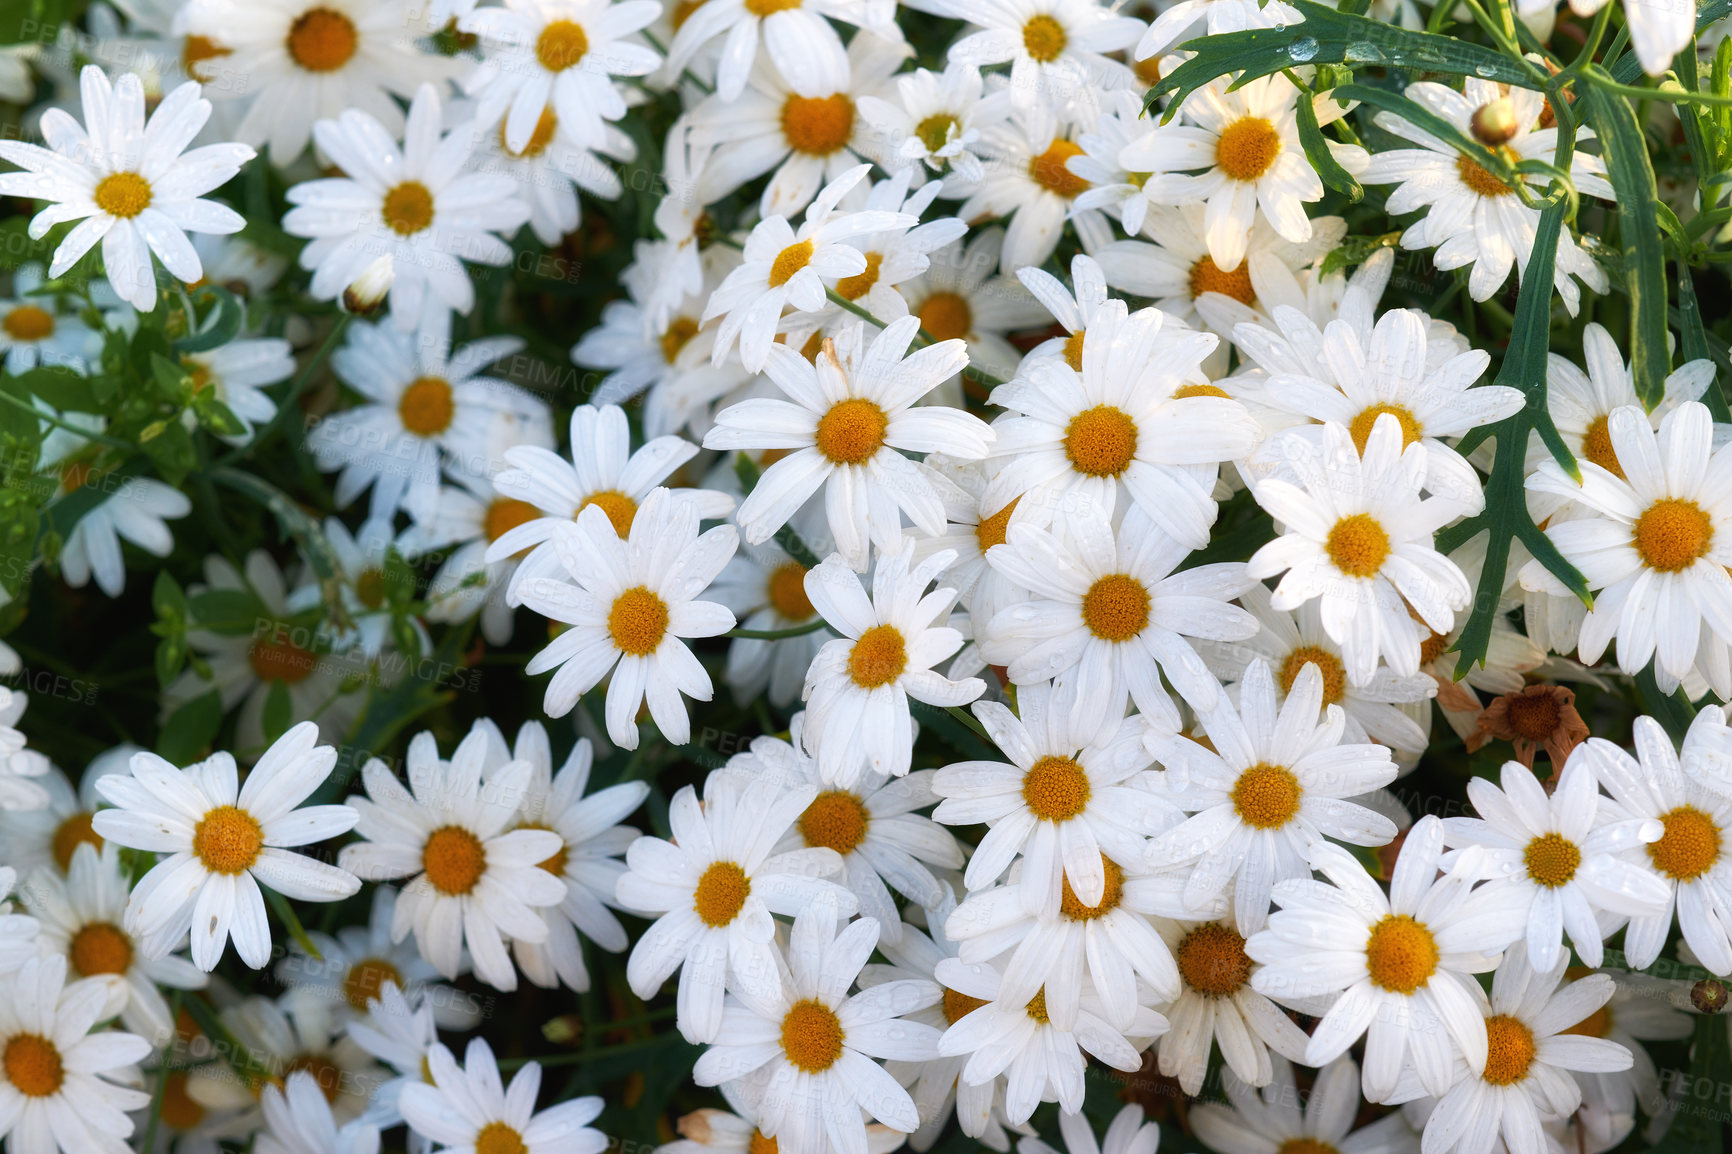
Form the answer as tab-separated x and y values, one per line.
75	831
1552	860
1051	170
427	406
1043	38
100	948
1597	446
836	820
408	208
812	1036
878	658
721	894
1479	179
1116	607
28	323
1673	534
33	1065
366	978
786	591
1101	441
817	125
1266	796
1208	277
1358	545
852	431
281	661
123	194
454	860
1247	148
946	316
1689	844
1056	788
1401	955
1362	425
854	287
561	45
227	840
790	261
621	510
638	621
1212	960
1329	665
322	40
1509	1050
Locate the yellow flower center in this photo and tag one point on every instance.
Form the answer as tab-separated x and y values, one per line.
1411	430
854	287
991	530
454	860
790	261
1689	844
1076	910
680	332
1036	1008
75	831
811	1036
100	948
1266	796
1509	1050
33	1065
1673	534
556	864
1306	1146
1401	955
28	323
1051	170
1073	350
1208	277
194	51
621	510
1056	788
958	1005
539	137
1329	665
561	45
1358	545
770	7
498	1138
1044	38
721	894
227	840
322	40
760	1142
1247	148
281	661
408	208
123	194
934	131
786	591
836	819
427	406
878	658
1184	391
505	514
852	431
817	125
1212	960
1116	607
1101	441
366	978
1552	859
1479	179
1597	446
946	316
179	1111
638	621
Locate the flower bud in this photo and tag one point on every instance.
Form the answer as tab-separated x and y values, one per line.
1494	124
1708	996
366	295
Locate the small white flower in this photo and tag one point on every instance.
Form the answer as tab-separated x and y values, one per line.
470	1107
1283	1116
298	1120
1054	47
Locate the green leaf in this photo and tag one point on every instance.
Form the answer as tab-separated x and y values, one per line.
279	711
214	415
172	452
1697	1127
189	730
1421	117
60	387
1317	152
215	333
230	612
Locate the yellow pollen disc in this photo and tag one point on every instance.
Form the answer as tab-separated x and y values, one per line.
854	287
1036	1007
991	531
1479	179
1207	277
878	658
1509	1050
1535	717
770	7
1362	425
28	323
934	131
1689	845
179	1111
1076	910
1184	391
1306	1146
227	840
1432	647
946	316
75	831
1247	148
123	194
539	137
322	40
1552	859
811	1036
33	1066
1051	170
1673	534
1266	796
638	621
1329	665
836	820
281	662
1044	39
1597	446
1401	955
556	864
817	125
1101	441
958	1005
408	208
786	591
1358	545
1149	70
1116	607
498	1138
327	1075
1073	349
1056	788
561	45
721	894
454	860
366	978
680	332
426	407
1212	960
762	1143
852	431
194	51
505	514
100	948
790	261
621	510
810	350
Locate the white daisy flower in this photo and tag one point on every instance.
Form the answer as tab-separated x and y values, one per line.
1657	538
470	1107
1570	862
276	1043
1129	1133
65	1088
1179	19
19	792
1273	785
297	61
963	296
223	840
550	169
1027	177
715	887
1641	1009
803	1044
363	556
135	509
1244	148
236	374
41	330
1054	47
1074	308
897	254
631	603
1131	416
766	590
83	918
415	204
127	183
17	931
1402	963
935	121
603	471
476	879
398	1031
298	1120
1109	617
1284	1117
1068	798
466	518
1472	217
857	689
47	837
1359	537
798	38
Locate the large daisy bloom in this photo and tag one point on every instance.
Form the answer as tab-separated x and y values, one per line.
223	839
1655	543
475	879
64	1087
127	182
1359	538
1284	1118
1054	47
1274	784
847	421
715	887
630	604
1569	860
1402	963
805	1047
469	1107
857	689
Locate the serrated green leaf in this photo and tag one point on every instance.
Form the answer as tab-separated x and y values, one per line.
1318	153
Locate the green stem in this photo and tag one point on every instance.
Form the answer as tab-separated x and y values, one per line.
970	721
811	626
18	402
287	404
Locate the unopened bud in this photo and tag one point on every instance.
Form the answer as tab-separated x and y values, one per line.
366	295
1708	996
1494	124
565	1030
